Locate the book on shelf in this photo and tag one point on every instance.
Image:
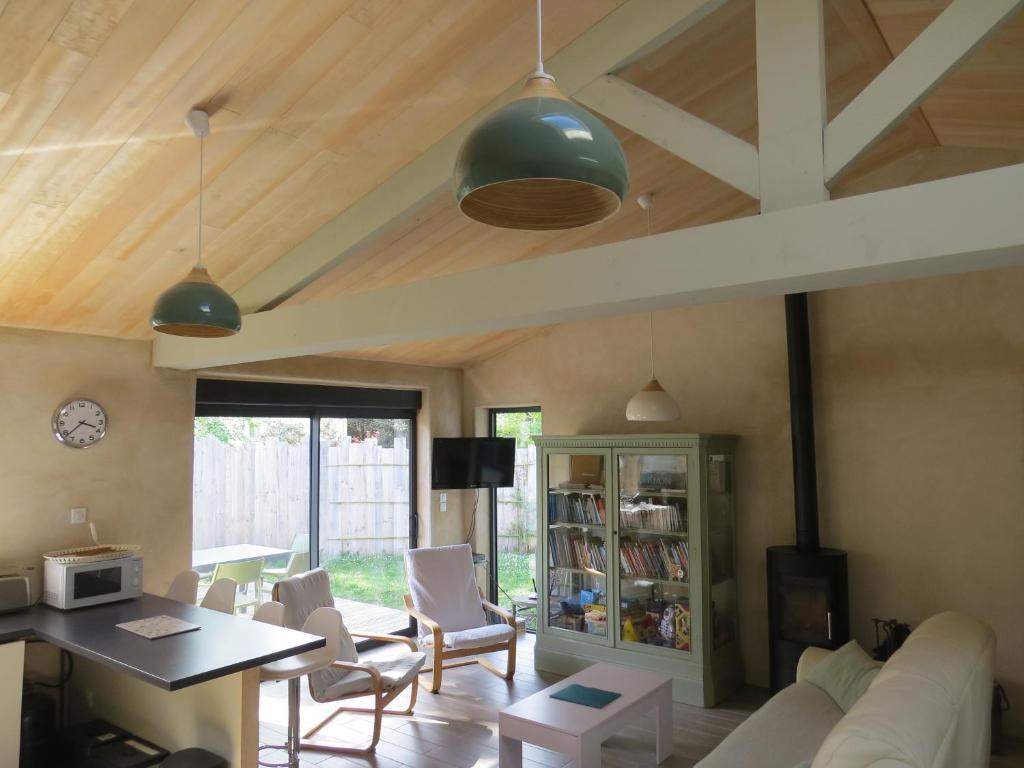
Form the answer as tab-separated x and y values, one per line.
571	549
660	517
661	559
582	508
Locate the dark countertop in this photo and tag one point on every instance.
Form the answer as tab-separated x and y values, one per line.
222	646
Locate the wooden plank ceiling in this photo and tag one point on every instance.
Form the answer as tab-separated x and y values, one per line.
317	101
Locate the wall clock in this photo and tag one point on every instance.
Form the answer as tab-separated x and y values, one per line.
79	423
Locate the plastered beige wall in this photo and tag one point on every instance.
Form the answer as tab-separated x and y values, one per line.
920	418
440	416
137	482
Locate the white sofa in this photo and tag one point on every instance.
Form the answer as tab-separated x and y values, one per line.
928	707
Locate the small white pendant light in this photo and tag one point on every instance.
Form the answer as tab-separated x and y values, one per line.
652	403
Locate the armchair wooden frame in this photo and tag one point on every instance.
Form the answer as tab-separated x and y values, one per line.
381	699
439	654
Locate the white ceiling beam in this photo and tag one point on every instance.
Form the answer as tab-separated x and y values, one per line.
907	81
791	107
635	26
687	136
961	224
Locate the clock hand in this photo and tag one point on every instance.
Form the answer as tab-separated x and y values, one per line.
86	423
76	427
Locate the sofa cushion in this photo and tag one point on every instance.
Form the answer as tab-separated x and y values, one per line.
929	706
788	729
845	674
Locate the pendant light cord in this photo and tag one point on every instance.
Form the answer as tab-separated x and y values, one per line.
199	239
539	71
650	315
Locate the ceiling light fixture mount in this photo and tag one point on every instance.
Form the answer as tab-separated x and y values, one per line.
540	162
197	306
652	403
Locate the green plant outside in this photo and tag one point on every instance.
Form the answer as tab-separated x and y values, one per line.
380	579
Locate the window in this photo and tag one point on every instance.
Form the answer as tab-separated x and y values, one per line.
513	542
303	476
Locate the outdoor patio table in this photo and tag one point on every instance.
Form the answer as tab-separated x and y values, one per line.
234	553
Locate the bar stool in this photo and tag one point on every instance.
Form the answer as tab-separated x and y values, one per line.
325	622
184	588
221	596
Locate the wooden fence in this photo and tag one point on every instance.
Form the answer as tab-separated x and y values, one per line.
258	493
517	507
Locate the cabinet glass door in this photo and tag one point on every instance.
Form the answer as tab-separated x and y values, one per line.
577	557
654	556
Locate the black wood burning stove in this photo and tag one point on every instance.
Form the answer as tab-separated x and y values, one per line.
808	597
807	605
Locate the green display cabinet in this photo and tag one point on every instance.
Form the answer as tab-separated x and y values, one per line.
636	558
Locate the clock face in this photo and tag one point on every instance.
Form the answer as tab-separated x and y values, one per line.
79	423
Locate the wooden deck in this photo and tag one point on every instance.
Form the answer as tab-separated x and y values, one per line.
365	617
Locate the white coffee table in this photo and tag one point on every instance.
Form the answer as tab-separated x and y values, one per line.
578	730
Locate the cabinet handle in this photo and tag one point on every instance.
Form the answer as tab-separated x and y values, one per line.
828	623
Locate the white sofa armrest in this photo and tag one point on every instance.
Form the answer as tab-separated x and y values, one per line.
809	659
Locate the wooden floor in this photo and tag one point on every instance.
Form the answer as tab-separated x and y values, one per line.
457	728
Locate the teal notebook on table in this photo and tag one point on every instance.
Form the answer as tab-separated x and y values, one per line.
588	697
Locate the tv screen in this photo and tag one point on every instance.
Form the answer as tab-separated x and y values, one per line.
473	462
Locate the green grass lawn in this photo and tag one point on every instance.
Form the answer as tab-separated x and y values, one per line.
380	579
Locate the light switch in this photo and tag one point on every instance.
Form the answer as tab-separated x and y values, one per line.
444	498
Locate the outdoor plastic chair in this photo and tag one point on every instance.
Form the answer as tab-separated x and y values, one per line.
247	573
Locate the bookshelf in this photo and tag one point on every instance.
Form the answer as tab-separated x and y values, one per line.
636	558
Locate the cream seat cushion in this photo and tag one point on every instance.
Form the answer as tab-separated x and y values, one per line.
478	637
394	673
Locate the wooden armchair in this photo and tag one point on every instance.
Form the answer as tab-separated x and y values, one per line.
452	612
347	677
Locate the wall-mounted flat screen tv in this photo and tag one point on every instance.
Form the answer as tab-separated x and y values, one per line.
473	462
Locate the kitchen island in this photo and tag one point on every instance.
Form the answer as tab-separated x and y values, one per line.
197	689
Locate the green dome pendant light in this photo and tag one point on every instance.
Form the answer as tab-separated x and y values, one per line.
652	403
197	306
540	162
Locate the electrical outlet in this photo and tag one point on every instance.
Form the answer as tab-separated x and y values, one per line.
79	515
444	498
444	506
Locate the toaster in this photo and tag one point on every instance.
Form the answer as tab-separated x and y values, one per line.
19	587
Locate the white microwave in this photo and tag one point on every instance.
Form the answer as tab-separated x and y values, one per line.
79	585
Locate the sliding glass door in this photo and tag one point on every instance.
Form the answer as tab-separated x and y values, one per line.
366	486
250	501
290	477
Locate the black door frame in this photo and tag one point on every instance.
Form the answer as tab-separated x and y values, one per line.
492	544
222	397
